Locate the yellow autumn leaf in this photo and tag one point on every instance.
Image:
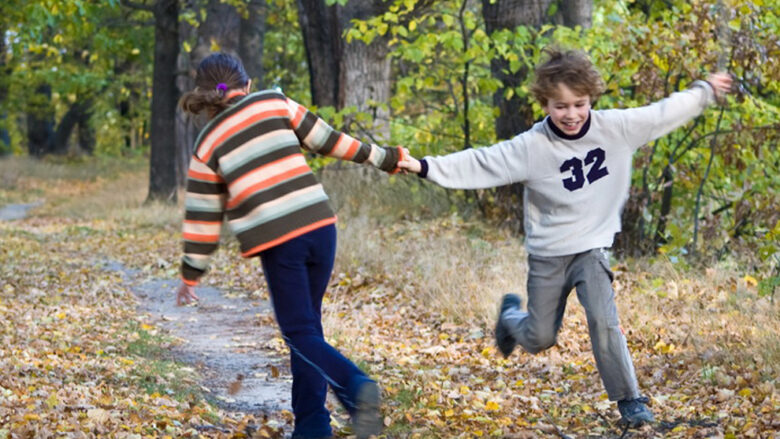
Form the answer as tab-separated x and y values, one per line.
745	392
464	390
663	348
750	280
52	400
32	417
491	406
486	352
449	413
146	327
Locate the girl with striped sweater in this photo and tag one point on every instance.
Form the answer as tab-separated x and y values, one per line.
248	168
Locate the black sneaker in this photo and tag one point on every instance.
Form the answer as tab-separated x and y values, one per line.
367	420
634	412
504	340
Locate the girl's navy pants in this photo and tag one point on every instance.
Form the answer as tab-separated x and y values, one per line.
297	273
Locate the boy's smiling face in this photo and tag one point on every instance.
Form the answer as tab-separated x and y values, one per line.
568	110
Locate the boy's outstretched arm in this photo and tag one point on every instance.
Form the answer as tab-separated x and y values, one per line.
641	125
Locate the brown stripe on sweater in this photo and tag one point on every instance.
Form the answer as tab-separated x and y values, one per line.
259	96
199	247
297	183
263	160
249	134
308	122
330	142
195	215
204	187
284	225
362	154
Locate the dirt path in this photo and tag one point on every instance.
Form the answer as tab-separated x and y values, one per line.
224	338
13	212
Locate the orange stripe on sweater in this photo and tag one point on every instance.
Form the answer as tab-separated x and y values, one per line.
284	238
191	283
204	176
352	149
298	116
266	183
195	237
206	155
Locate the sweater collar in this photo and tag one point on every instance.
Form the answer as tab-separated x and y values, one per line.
562	135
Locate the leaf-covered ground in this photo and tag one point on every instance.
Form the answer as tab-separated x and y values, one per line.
412	300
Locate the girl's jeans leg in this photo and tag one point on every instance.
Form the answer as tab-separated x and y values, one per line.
297	273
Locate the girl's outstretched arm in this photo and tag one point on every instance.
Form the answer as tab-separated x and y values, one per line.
317	136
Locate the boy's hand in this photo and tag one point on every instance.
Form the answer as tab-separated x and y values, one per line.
721	83
185	295
409	163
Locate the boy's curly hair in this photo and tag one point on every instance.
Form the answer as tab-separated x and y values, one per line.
570	67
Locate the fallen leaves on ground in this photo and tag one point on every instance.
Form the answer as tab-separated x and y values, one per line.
76	360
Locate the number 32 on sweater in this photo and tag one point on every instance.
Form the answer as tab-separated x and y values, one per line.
594	159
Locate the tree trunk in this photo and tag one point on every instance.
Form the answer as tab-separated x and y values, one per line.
5	140
219	30
666	206
40	122
162	163
86	131
365	70
515	114
250	41
77	114
572	13
322	39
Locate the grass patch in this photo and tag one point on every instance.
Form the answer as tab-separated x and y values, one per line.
156	373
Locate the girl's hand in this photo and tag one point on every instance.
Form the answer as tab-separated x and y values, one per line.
186	294
409	163
721	83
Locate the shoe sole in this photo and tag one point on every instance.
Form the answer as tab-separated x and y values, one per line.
368	420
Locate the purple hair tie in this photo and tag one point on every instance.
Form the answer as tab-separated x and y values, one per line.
222	87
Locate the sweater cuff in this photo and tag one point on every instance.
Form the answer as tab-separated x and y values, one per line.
708	89
401	157
190	275
423	169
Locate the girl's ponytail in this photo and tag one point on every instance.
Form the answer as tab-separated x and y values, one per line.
216	74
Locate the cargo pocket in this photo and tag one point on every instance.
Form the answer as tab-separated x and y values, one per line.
602	258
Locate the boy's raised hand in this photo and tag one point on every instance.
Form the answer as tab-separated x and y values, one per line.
409	163
721	83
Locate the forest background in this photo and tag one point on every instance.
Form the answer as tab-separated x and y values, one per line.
87	104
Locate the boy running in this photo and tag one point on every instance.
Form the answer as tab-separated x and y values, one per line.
575	166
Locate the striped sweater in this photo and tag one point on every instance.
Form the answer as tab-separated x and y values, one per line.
248	167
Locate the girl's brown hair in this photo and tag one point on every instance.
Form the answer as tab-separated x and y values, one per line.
573	69
216	74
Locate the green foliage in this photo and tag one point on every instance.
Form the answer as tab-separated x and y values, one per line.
441	55
284	55
83	51
645	50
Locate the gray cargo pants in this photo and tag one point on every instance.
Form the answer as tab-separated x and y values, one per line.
550	280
